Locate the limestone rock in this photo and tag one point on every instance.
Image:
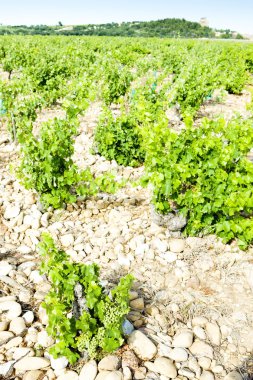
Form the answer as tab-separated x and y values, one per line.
183	339
18	326
213	333
200	349
234	375
89	371
31	363
142	345
165	367
109	363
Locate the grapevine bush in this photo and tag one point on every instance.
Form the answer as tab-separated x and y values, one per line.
47	165
204	174
83	315
119	139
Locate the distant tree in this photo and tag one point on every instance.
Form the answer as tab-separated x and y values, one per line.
60	23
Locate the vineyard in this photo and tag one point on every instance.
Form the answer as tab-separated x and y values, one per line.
126	209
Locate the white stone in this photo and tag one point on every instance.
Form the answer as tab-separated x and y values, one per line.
183	339
44	340
58	363
43	316
36	277
159	245
5	336
178	355
11	212
176	245
28	317
24	249
199	332
17	326
109	363
142	345
207	375
13	309
170	257
199	321
186	373
115	375
127	374
19	352
4	326
15	342
204	363
89	371
33	375
6	369
5	268
200	349
213	333
69	375
234	375
67	240
44	219
165	367
31	363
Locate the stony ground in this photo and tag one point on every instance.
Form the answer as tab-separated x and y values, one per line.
192	300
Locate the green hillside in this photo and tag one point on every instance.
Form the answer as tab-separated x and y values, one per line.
170	27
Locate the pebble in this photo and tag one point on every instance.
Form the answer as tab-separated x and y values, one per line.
69	375
234	375
199	332
200	349
31	363
127	374
176	245
127	327
199	321
18	326
102	375
187	373
44	340
43	315
58	363
204	363
213	333
13	309
170	257
6	369
165	367
207	375
15	342
178	355
5	268
5	336
138	303
28	317
33	375
36	277
142	345
11	212
4	326
89	371
115	375
109	363
67	240
20	352
183	339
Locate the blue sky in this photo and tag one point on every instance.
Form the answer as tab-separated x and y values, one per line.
233	14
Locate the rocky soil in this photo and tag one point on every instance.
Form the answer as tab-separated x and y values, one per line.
191	304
